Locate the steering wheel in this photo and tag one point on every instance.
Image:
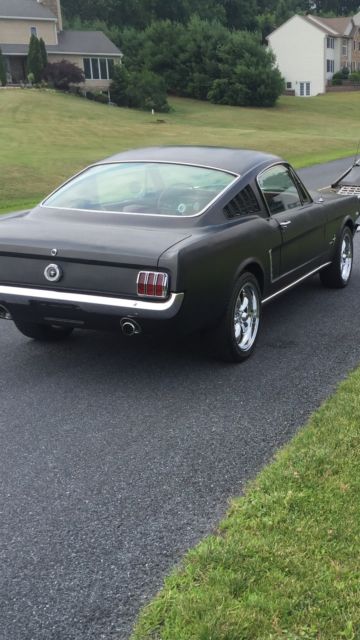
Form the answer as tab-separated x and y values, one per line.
174	199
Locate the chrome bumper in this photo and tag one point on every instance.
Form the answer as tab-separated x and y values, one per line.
94	304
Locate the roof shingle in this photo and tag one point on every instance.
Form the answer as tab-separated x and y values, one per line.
25	9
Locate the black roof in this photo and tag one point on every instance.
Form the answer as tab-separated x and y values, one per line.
89	43
84	42
25	9
227	158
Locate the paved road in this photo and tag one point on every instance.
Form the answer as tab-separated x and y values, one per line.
117	455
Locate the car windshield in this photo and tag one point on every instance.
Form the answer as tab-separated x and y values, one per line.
142	187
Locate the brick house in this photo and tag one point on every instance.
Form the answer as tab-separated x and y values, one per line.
91	51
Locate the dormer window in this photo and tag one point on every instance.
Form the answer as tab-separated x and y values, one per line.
33	31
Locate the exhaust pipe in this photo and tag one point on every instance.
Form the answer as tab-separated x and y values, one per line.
4	313
129	327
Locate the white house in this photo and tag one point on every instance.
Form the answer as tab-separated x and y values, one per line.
310	49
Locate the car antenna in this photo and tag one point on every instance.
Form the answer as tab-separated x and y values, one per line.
356	155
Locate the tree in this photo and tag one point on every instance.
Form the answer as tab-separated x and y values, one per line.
43	53
34	64
61	74
2	70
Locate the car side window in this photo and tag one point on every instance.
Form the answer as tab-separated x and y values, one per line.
279	189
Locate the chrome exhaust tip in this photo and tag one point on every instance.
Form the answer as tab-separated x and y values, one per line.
4	313
129	327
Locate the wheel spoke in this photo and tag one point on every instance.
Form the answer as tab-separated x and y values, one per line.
246	317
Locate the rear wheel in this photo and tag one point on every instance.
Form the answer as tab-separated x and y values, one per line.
43	332
337	275
239	328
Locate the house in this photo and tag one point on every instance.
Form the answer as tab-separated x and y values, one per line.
91	51
310	49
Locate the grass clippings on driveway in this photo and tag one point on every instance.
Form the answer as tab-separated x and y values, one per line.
285	562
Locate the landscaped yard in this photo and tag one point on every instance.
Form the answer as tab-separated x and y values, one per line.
45	136
285	563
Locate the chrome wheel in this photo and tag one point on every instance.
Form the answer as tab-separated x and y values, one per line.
346	257
246	316
337	274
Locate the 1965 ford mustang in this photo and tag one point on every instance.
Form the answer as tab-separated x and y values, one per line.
180	237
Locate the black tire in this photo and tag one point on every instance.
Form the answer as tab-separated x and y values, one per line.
236	336
43	332
337	275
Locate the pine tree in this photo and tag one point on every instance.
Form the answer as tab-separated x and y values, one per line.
34	63
2	70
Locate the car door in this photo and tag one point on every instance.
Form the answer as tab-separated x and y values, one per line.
302	222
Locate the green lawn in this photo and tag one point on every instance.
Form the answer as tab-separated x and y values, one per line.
285	563
45	136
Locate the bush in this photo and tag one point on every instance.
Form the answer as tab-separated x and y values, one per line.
138	89
97	96
2	70
34	63
61	74
336	81
355	77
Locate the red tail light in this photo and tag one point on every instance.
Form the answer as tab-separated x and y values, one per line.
153	284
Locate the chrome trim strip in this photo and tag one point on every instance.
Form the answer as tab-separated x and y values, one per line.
293	284
236	176
173	303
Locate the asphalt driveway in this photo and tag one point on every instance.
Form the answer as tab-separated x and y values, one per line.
117	455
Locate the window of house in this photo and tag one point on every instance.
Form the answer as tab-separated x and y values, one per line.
87	68
288	85
330	43
304	88
330	66
344	47
96	68
33	31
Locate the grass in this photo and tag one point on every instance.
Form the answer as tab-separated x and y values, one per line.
285	562
45	137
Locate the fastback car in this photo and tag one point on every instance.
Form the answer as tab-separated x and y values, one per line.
187	238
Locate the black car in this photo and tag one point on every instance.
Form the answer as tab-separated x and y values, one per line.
183	238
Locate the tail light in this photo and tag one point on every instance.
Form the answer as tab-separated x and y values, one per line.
153	284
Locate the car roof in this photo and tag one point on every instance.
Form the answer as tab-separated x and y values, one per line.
226	158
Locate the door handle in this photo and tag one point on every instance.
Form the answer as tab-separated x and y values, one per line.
285	224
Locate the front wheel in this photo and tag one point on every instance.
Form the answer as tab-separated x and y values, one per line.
239	328
43	332
337	275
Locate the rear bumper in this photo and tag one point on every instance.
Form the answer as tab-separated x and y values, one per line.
19	300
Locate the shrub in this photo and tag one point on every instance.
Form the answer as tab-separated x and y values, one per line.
43	53
61	74
2	70
97	96
138	89
355	77
34	63
336	81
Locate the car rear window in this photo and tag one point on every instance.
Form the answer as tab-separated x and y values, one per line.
143	187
